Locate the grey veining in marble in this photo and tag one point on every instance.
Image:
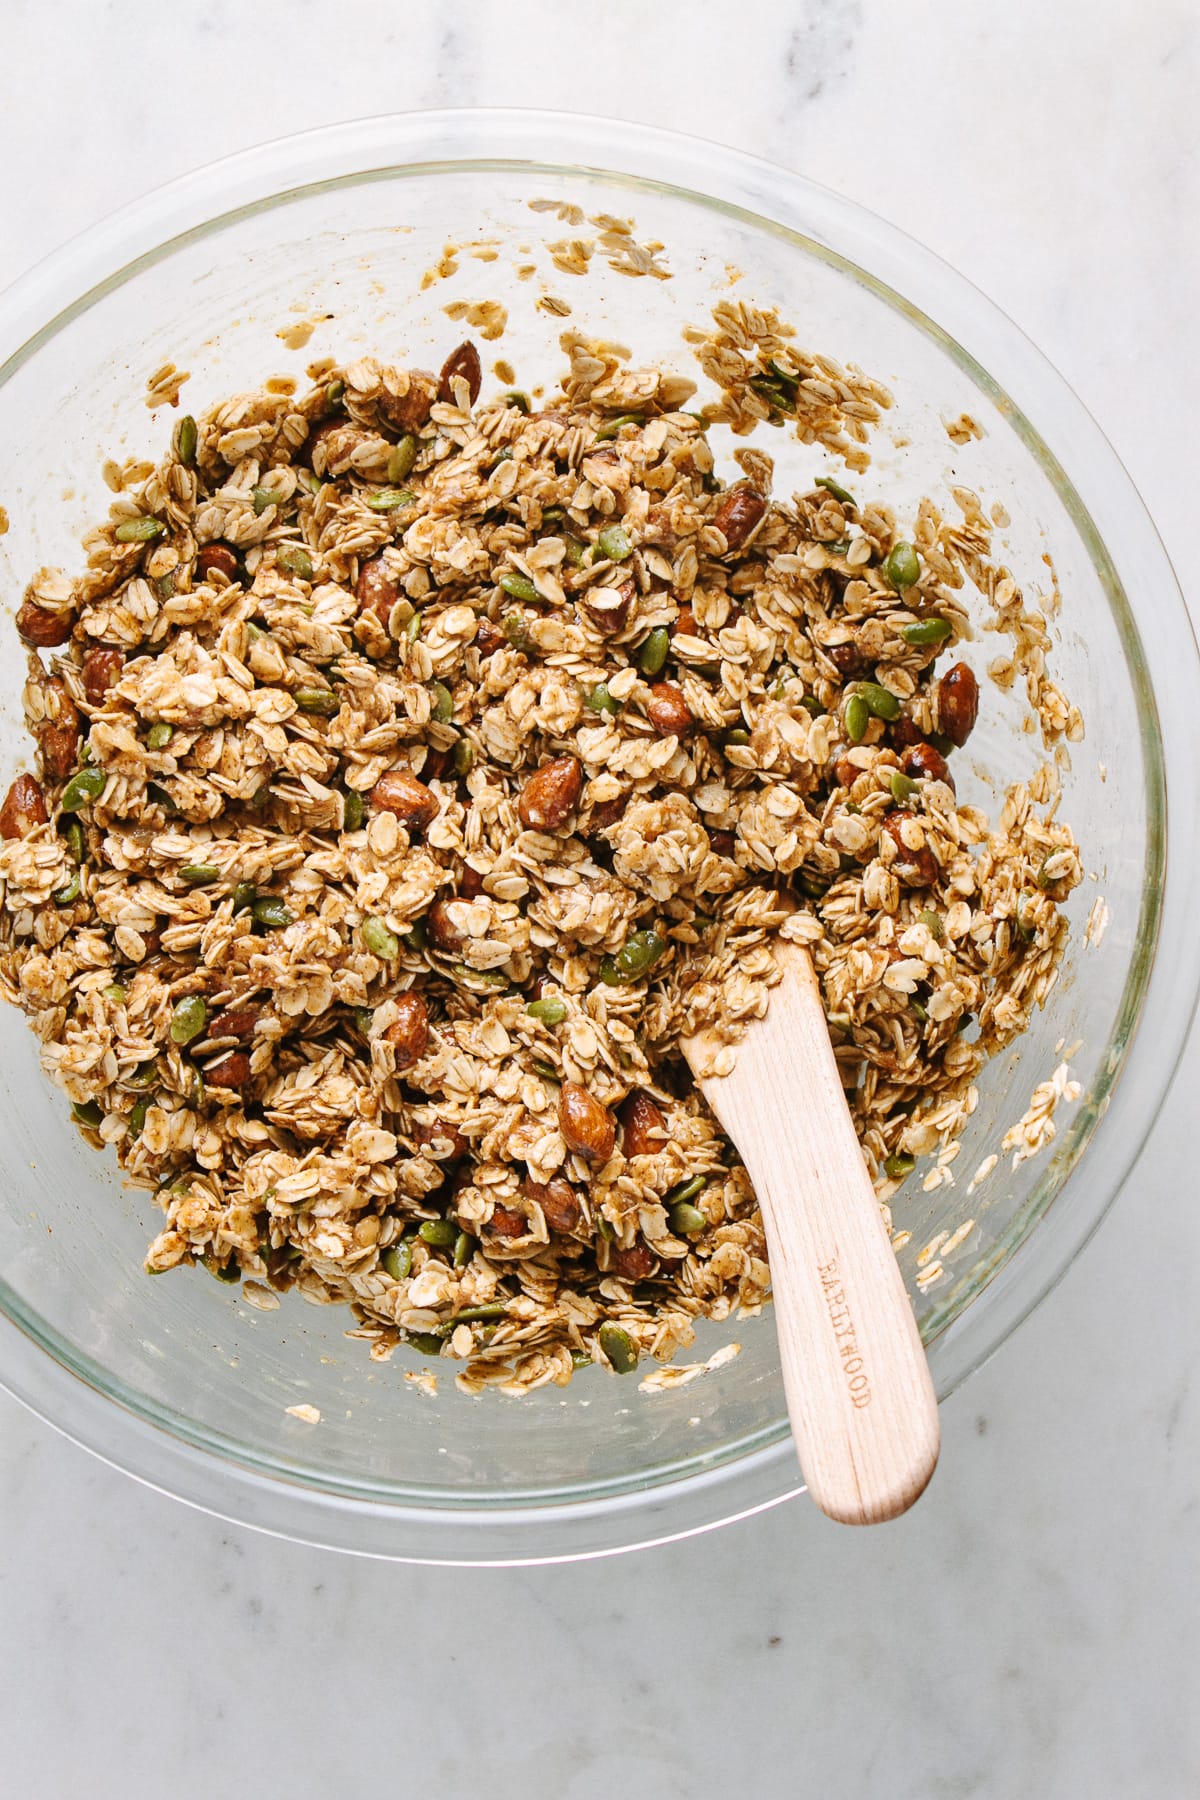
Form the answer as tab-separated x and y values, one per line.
1031	1629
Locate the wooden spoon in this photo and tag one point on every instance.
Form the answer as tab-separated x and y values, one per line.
860	1399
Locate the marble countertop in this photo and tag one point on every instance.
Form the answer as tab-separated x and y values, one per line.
1032	1626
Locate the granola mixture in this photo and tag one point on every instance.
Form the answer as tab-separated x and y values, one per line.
413	771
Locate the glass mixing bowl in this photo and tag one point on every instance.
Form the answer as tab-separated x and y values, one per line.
179	1381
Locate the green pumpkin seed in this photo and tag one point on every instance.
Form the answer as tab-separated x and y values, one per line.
264	497
636	957
137	1117
185	441
737	739
389	500
87	1112
880	700
927	631
613	427
837	490
159	736
188	1020
858	717
335	392
515	397
614	542
442	709
464	1249
143	1075
576	551
653	655
464	756
72	833
902	568
903	786
244	896
86	785
516	630
69	891
379	940
412	630
518	585
139	531
687	1220
580	1359
439	1232
295	560
897	1166
601	701
546	1070
114	992
550	1011
418	937
403	458
933	923
397	1259
199	874
312	484
619	1348
686	1190
812	706
429	1343
322	702
271	912
488	978
472	1315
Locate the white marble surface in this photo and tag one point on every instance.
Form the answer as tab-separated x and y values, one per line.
1032	1628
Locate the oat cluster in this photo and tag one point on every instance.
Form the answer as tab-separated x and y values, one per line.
413	771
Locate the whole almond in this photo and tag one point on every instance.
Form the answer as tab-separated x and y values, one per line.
41	628
409	1034
957	703
668	711
442	929
847	659
606	813
24	808
233	1071
376	590
923	762
100	669
489	638
558	1201
442	1142
58	735
916	868
409	412
634	1264
239	1022
643	1126
399	792
588	1128
217	559
608	608
507	1223
550	795
464	365
738	514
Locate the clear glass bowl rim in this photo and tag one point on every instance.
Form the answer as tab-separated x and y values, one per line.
40	1371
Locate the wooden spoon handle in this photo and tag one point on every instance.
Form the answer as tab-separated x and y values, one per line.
861	1402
